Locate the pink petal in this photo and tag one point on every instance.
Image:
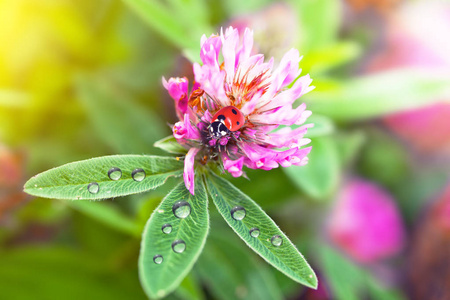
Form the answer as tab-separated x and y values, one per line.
230	41
178	90
185	130
234	167
210	49
288	69
247	45
287	137
211	80
282	116
288	97
188	174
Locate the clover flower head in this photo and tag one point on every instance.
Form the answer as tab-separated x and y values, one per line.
241	87
366	223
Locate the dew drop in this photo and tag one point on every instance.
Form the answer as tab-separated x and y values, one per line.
276	240
115	173
181	209
158	259
138	174
93	187
166	228
178	246
238	213
254	232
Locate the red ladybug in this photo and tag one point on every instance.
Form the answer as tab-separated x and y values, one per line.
225	120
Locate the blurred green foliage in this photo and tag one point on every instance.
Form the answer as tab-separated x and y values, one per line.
80	79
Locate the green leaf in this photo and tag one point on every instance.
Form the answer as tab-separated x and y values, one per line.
118	120
380	94
320	176
379	292
230	271
159	280
383	159
320	20
190	288
108	215
180	22
324	59
236	7
285	257
349	145
159	18
322	126
348	281
345	279
71	181
170	144
52	272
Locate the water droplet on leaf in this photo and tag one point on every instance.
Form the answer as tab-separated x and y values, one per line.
254	232
115	173
158	259
178	246
93	187
181	209
138	174
238	213
276	240
166	228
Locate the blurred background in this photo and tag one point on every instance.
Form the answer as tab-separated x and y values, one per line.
371	211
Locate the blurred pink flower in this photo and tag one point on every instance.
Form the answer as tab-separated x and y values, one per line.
365	222
380	5
258	91
428	129
11	167
428	274
441	211
418	36
11	181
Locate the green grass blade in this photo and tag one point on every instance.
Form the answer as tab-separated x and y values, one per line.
71	181
157	16
180	23
380	94
159	280
114	115
108	215
285	257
